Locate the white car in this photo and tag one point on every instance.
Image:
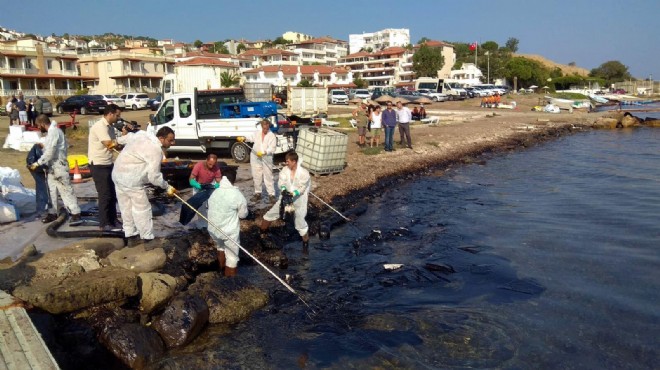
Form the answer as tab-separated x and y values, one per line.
337	97
135	101
362	94
114	99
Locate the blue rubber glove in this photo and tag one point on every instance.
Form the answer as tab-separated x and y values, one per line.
216	185
195	184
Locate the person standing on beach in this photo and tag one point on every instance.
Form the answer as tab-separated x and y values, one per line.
403	117
261	160
54	156
22	110
101	143
376	125
361	115
389	123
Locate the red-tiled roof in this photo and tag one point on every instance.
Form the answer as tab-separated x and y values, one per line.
306	70
320	40
391	51
357	55
206	61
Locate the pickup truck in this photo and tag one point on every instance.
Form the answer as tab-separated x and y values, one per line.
213	120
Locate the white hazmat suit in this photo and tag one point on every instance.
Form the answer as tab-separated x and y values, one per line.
262	166
138	164
302	183
226	206
55	153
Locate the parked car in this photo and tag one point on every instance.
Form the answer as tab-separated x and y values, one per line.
46	108
361	94
83	104
337	97
619	91
114	99
409	95
436	96
135	101
154	102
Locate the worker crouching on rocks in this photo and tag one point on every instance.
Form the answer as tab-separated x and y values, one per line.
295	184
226	206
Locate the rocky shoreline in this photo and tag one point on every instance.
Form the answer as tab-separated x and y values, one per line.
141	303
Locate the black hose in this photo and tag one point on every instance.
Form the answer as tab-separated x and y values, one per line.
63	215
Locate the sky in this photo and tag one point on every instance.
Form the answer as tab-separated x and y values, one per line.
586	32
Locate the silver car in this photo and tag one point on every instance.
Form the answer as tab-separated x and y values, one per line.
114	99
46	108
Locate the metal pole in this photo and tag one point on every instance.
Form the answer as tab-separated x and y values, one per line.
488	61
245	251
329	206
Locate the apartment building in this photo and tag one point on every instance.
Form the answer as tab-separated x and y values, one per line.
271	57
296	37
388	67
322	50
379	40
288	75
124	70
34	68
448	54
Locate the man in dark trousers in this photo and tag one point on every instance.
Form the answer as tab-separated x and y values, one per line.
39	175
101	142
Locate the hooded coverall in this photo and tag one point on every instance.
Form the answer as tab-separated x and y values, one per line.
301	182
226	205
55	152
262	168
138	164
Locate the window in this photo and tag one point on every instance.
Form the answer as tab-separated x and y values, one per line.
27	63
69	66
49	64
184	107
108	66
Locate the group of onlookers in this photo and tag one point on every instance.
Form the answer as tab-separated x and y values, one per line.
371	117
23	112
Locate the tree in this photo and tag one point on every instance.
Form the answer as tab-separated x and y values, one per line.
427	61
488	46
360	83
220	48
423	40
612	71
512	44
281	41
198	44
240	47
229	79
305	83
527	71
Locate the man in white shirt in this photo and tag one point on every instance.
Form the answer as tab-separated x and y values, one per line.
403	117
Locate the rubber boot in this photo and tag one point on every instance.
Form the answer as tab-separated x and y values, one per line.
221	260
230	271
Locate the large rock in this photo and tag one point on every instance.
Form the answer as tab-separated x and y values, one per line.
138	259
135	345
182	320
629	121
157	289
74	293
230	300
605	122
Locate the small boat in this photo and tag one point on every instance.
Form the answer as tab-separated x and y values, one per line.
569	104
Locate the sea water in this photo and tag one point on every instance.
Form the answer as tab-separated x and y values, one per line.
547	257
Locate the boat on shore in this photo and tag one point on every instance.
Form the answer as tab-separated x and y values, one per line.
570	104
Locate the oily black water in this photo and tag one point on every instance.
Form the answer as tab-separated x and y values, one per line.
543	258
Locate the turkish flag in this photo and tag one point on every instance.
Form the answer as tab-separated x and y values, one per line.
473	46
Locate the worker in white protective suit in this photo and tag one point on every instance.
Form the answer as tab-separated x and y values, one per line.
261	160
54	157
136	166
226	206
295	183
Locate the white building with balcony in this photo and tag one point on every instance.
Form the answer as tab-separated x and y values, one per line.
322	50
271	57
467	75
379	40
388	67
287	75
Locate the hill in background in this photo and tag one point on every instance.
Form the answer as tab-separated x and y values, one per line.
565	69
